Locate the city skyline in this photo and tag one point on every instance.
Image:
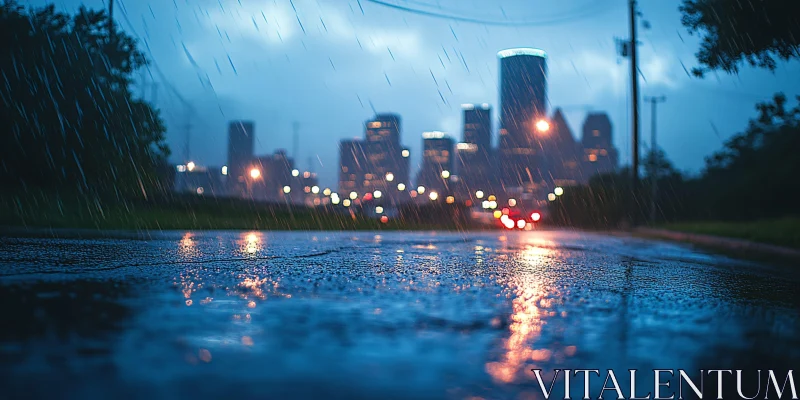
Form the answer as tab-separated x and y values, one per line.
240	72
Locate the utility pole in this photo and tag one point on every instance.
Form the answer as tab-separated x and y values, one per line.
635	109
110	20
653	155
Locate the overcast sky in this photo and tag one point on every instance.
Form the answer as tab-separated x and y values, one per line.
327	63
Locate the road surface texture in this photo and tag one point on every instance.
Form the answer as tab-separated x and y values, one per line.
244	315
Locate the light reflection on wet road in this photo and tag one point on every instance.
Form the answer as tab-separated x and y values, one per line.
365	315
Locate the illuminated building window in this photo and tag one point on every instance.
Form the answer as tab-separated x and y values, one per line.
595	132
592	157
344	169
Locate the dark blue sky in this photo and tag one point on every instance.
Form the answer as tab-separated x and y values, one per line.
324	63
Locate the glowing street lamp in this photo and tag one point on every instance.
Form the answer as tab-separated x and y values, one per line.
378	210
287	189
346	203
326	192
551	196
479	194
433	196
401	186
406	153
558	191
255	173
224	170
315	189
451	199
389	177
421	189
190	166
377	194
512	202
353	195
542	126
445	174
295	172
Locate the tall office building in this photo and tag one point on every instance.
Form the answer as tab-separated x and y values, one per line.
523	101
561	153
387	161
384	128
437	161
352	163
241	147
599	153
473	154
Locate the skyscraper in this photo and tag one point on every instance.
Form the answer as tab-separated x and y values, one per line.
437	160
352	161
384	128
600	155
384	155
241	146
561	153
474	152
523	101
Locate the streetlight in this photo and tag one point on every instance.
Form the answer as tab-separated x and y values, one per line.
377	194
406	153
558	191
346	203
479	194
315	189
551	196
326	192
445	174
512	202
295	172
542	126
389	177
451	199
190	166
378	210
433	196
224	170
255	173
287	189
353	196
421	189
401	186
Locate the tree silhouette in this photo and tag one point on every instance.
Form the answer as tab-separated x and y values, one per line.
69	118
735	31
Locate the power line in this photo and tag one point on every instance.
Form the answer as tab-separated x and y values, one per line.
584	13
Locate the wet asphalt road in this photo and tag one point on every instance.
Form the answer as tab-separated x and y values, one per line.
363	315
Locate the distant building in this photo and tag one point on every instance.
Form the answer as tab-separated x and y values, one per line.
523	101
560	153
275	172
200	180
437	161
241	148
352	163
599	153
474	152
378	163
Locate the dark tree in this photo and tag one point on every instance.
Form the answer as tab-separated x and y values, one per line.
738	31
69	120
756	174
